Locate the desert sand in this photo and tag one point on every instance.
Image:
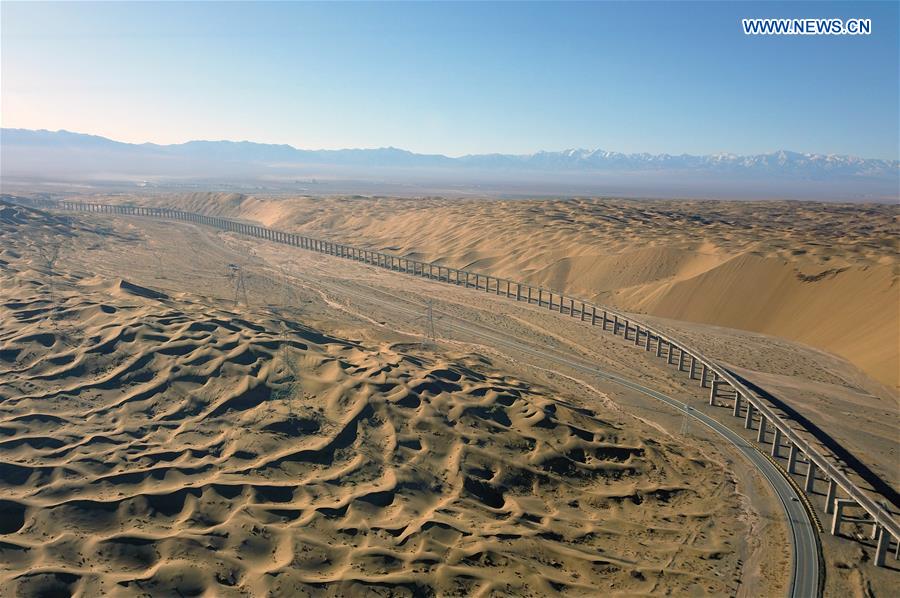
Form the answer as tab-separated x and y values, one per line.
156	440
310	443
822	274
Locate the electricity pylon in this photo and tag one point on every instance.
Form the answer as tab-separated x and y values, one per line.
288	296
685	421
49	253
236	273
291	386
427	320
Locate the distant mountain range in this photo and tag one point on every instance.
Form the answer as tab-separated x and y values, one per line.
66	155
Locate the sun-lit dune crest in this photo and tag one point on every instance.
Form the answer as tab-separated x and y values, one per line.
822	274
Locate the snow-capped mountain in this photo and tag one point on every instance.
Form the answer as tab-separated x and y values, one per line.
29	153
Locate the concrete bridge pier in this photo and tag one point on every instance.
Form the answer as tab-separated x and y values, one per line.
776	444
659	344
615	324
637	334
647	343
810	476
670	357
748	419
713	391
839	506
884	539
761	432
680	360
693	368
830	496
737	406
792	459
703	373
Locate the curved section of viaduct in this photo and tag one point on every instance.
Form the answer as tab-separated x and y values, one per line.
723	386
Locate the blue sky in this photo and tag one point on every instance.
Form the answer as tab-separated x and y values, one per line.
455	78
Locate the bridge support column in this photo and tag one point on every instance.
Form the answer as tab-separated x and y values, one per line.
737	405
830	496
713	391
637	334
761	432
593	311
529	295
615	324
703	373
659	344
776	444
748	419
693	369
839	506
647	342
680	359
810	476
670	357
884	539
792	460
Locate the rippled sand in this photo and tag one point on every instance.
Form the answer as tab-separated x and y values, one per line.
155	440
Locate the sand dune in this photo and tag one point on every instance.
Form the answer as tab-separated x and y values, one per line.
156	440
822	274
